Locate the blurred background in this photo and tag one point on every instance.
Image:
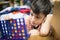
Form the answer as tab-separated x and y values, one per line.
56	13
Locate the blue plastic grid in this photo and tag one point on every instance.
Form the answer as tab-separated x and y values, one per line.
13	29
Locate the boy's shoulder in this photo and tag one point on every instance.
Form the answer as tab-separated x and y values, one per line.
49	15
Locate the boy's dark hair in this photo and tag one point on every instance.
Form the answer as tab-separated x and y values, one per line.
31	1
41	6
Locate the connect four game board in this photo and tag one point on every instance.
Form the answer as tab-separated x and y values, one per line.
13	29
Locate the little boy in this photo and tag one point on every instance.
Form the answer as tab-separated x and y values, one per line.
41	17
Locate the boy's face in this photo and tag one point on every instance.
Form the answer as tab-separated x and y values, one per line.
37	19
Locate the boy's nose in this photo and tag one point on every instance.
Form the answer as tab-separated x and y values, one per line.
33	22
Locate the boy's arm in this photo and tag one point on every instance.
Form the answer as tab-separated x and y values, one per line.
45	27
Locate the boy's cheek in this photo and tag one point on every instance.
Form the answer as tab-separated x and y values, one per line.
28	24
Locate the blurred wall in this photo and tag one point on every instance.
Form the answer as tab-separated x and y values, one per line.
56	20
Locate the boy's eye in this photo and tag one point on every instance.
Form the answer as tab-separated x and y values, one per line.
31	14
37	17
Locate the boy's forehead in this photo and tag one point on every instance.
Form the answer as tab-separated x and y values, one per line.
37	14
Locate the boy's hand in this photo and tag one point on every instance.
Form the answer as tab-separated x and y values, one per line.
33	32
28	24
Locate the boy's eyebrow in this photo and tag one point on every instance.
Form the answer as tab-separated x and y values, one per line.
38	16
31	12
